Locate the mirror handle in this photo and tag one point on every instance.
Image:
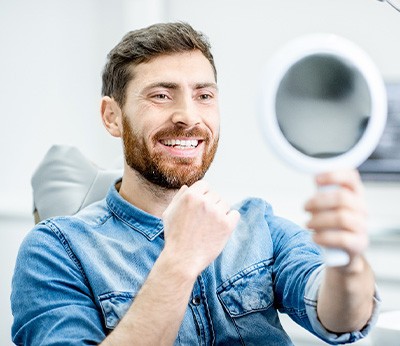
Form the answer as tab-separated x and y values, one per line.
334	257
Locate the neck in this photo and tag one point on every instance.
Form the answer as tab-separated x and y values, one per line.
143	194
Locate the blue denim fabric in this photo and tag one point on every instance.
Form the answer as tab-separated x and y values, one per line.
76	277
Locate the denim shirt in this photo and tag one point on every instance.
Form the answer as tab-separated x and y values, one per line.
76	277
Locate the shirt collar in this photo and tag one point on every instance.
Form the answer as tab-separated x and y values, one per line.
149	225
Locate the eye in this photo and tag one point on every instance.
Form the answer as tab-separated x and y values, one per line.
161	96
206	97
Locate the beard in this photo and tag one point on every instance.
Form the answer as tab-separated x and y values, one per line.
167	172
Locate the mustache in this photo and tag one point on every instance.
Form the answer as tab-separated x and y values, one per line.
174	132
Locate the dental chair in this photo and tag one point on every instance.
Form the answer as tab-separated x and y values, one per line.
66	181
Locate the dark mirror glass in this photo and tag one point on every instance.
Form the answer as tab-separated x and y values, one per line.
323	105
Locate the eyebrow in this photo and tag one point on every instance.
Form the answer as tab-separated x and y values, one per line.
206	85
174	86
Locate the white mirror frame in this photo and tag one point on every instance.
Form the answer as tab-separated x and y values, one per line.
347	51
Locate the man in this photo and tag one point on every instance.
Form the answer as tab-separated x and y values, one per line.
163	259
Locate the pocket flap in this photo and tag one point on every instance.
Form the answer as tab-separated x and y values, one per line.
114	306
250	290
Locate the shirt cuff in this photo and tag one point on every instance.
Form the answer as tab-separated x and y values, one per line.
311	298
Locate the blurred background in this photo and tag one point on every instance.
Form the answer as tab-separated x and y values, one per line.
51	56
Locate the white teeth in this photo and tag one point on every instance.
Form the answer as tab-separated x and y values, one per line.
181	143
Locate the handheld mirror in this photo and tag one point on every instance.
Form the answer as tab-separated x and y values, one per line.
323	107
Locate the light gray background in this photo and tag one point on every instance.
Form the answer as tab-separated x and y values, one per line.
51	56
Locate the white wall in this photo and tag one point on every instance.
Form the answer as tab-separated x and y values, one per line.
53	51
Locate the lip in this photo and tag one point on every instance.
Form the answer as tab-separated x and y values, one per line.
177	151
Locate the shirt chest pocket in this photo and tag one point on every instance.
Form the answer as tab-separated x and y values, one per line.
248	291
248	301
114	306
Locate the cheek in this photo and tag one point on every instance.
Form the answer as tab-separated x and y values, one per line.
211	119
214	127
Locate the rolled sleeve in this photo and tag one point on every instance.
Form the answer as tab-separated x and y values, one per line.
311	298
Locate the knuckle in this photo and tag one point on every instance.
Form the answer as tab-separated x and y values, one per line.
363	227
358	244
342	218
342	196
191	197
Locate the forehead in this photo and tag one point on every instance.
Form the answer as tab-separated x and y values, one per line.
186	67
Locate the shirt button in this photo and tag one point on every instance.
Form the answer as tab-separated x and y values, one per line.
196	300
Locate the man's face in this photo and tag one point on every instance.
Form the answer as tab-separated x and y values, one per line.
170	119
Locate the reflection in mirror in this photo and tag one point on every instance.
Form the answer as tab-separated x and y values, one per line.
323	105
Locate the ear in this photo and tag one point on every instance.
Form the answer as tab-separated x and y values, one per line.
111	115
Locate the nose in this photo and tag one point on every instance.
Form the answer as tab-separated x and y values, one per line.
186	113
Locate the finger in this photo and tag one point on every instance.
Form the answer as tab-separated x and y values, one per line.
212	197
350	242
223	206
200	187
336	199
203	188
174	200
349	179
180	192
338	219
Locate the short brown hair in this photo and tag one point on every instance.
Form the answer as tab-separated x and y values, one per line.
142	45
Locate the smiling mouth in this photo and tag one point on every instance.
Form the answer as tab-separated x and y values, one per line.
181	143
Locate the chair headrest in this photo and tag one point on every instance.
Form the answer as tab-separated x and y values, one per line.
66	181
